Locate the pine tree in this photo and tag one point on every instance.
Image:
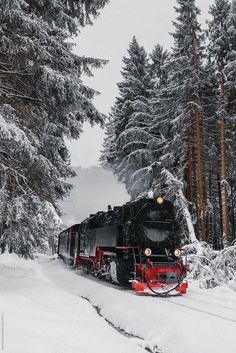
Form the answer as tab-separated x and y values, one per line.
158	66
131	118
43	100
186	147
212	137
219	48
108	154
160	125
230	90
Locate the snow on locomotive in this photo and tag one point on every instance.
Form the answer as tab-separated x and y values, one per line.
138	244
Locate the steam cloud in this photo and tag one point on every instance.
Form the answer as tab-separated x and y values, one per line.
94	189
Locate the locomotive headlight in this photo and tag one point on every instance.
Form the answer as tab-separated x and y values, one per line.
160	200
148	252
177	252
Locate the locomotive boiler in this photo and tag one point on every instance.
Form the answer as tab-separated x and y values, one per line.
135	244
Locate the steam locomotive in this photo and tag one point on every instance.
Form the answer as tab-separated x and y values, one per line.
136	244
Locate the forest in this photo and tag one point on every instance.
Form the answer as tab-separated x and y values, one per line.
171	130
43	102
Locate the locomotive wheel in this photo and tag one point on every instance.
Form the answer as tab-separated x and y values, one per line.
123	269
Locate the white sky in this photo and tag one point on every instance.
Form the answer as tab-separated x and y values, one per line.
94	189
109	38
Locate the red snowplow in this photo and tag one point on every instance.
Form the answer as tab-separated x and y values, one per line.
160	279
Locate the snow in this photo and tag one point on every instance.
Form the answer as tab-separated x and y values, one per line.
43	317
181	202
44	312
10	131
187	216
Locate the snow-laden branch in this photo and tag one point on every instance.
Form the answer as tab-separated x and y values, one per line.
212	268
176	189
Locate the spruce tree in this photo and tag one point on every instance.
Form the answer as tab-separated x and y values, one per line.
160	126
219	48
186	147
212	133
230	90
158	66
131	120
43	100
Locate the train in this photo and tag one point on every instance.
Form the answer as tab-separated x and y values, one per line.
137	245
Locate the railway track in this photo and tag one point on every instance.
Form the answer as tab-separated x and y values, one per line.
202	311
215	297
189	301
189	324
207	302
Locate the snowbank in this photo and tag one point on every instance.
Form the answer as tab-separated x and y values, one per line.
41	317
203	321
212	268
44	313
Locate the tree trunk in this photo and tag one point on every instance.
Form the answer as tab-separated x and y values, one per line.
200	153
200	181
189	171
223	168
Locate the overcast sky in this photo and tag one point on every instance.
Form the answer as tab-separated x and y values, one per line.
94	189
109	38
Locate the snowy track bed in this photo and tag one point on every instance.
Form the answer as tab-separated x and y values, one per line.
44	314
40	316
147	346
203	321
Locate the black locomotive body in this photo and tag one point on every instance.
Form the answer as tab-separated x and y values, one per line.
137	243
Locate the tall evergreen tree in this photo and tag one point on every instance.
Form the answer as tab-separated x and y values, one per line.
187	141
161	119
212	133
131	118
158	66
219	47
230	89
43	100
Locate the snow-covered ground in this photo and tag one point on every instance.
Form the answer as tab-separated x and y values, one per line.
44	312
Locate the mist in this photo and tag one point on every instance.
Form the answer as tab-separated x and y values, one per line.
94	189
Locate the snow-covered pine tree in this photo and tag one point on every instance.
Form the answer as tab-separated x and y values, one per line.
25	216
131	118
160	126
158	66
186	147
43	100
212	137
230	90
108	154
219	49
